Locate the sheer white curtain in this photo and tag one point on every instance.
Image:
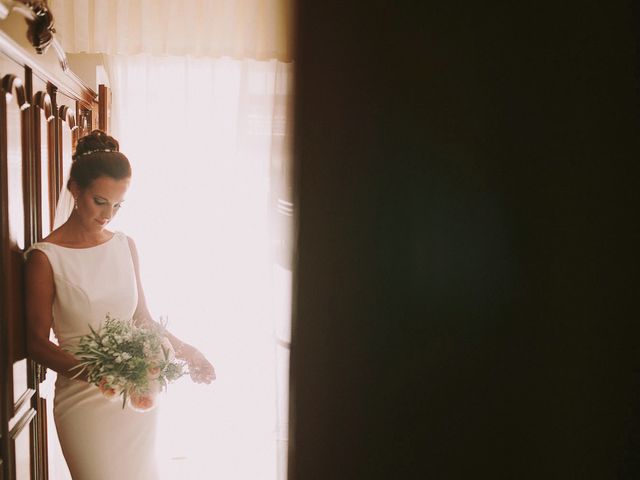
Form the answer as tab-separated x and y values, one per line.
201	135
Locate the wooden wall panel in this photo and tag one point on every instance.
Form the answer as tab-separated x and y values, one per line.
17	387
39	123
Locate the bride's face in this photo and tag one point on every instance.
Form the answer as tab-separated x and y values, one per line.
99	203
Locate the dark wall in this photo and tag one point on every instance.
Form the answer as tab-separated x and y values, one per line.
466	264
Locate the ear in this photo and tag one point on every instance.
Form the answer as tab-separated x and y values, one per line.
74	188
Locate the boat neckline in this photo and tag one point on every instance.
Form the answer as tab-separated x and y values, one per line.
82	248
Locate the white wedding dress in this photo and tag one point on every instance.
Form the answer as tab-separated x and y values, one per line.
99	439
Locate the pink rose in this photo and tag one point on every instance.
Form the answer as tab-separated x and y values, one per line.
107	390
142	402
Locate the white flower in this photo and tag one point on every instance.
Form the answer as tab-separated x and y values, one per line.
116	370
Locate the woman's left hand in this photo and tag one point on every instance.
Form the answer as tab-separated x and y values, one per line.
200	368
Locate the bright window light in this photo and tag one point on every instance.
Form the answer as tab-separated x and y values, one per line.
203	137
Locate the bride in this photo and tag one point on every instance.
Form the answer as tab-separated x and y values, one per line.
74	277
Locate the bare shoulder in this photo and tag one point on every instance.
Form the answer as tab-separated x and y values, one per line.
38	265
38	281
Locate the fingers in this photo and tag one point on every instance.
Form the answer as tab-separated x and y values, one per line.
203	379
202	374
201	370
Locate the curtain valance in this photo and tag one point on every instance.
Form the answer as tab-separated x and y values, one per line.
255	29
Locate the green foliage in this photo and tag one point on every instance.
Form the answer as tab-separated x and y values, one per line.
124	358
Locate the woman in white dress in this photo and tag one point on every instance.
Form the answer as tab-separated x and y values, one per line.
74	277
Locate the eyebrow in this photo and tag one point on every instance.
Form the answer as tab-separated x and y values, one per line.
106	199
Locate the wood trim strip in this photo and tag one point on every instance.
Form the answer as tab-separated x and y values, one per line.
43	443
25	397
104	107
36	142
7	385
54	153
23	422
28	152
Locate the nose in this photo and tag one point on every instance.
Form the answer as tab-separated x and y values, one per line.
108	212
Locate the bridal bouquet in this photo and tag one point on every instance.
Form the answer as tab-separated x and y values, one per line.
128	361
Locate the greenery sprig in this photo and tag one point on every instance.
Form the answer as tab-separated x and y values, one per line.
123	359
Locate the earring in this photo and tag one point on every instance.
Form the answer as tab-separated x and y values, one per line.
75	203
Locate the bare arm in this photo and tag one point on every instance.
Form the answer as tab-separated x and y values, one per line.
200	368
40	291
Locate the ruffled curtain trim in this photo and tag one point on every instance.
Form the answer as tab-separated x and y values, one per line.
253	29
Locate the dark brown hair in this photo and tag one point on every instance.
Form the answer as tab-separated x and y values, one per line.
98	155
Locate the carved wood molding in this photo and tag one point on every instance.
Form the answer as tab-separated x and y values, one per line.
41	35
40	31
43	100
68	115
11	83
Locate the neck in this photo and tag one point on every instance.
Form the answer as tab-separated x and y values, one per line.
75	230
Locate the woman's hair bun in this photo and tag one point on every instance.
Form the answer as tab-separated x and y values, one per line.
98	155
96	141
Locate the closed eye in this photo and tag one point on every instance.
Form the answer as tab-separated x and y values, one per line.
101	202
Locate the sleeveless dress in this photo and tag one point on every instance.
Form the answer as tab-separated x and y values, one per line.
99	440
